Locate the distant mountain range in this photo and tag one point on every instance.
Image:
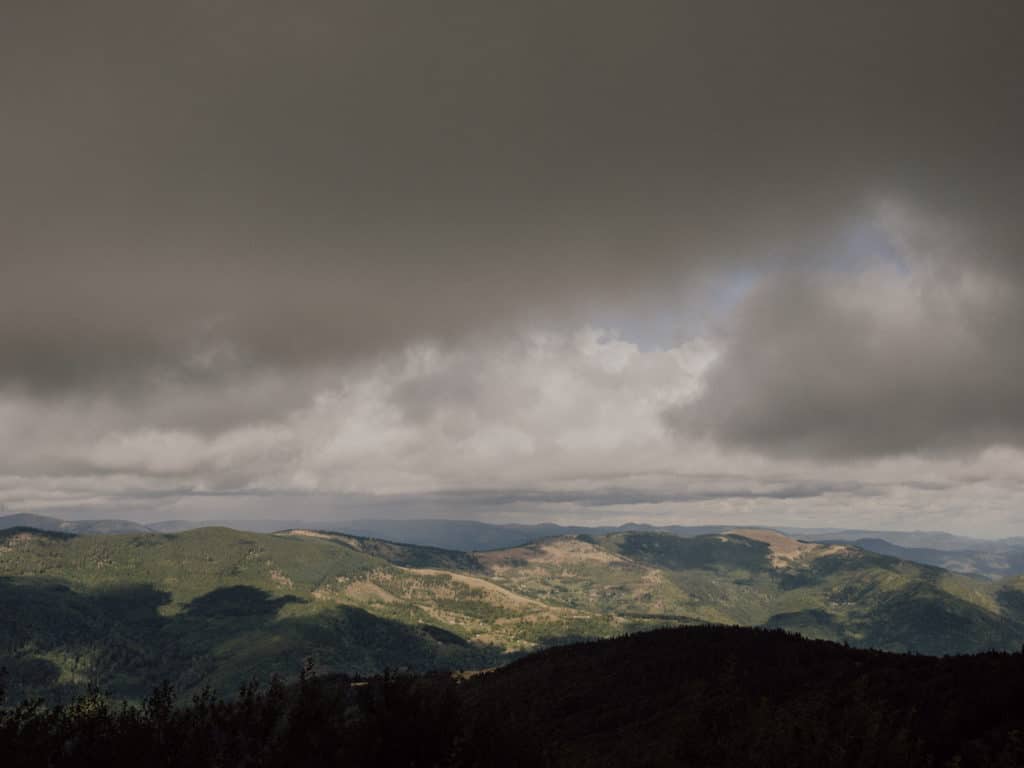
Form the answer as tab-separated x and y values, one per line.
475	535
216	606
78	527
992	558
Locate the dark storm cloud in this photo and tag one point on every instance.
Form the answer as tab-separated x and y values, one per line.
193	190
832	368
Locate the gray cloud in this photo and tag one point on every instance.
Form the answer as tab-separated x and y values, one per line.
852	366
194	190
264	256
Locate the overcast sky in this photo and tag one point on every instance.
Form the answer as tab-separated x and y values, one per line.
572	261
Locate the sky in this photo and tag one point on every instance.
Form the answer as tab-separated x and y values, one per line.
582	262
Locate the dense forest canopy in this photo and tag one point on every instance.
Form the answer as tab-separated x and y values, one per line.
702	696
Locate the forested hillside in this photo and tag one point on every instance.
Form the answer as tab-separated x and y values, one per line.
702	696
218	607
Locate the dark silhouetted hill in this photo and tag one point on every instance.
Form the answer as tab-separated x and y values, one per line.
718	697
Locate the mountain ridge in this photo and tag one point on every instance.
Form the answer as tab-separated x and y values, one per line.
216	605
993	558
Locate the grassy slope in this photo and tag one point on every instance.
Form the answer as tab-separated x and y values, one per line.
838	593
219	606
210	605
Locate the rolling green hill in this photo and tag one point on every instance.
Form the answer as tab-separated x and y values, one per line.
755	577
80	527
209	606
216	606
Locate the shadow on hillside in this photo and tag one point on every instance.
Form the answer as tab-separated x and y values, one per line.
811	622
54	640
238	601
1011	601
674	553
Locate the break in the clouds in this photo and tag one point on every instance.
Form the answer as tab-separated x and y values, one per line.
356	248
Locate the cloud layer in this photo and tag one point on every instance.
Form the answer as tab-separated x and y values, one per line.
197	188
356	248
566	426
